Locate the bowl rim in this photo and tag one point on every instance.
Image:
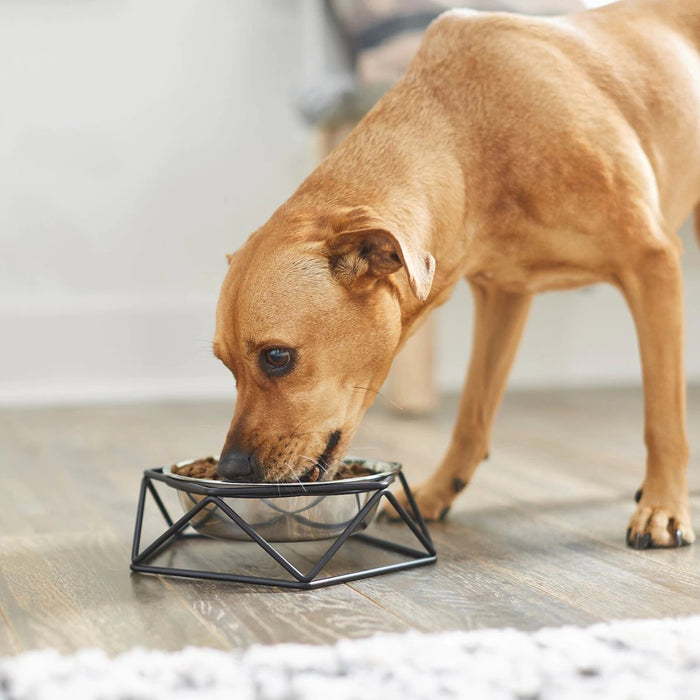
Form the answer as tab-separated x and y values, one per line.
389	470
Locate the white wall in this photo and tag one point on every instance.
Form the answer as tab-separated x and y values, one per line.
140	141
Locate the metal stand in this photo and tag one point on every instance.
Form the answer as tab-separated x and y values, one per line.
215	495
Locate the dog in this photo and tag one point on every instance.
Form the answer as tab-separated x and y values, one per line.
522	154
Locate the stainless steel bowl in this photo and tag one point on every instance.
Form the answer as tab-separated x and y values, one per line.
286	512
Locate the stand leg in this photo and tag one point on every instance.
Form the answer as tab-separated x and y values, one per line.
344	536
173	530
159	503
139	519
415	511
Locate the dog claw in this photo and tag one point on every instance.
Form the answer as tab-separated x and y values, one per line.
638	496
644	541
443	513
640	541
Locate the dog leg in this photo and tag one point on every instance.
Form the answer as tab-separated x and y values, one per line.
654	292
499	319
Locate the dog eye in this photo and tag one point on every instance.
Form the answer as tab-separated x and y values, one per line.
276	362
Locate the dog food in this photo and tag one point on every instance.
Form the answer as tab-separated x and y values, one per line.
206	469
351	470
199	469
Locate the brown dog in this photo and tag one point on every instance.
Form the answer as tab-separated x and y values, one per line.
521	154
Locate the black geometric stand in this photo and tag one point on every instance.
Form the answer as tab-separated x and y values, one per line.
214	494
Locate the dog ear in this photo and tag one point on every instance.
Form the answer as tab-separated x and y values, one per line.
370	251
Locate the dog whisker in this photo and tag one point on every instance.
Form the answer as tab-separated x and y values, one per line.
294	475
294	432
379	393
206	343
312	432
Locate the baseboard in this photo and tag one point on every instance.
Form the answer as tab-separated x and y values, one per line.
105	350
137	390
118	350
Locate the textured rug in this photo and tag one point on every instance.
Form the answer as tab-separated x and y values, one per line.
657	659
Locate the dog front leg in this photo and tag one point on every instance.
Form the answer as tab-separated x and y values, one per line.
499	320
654	292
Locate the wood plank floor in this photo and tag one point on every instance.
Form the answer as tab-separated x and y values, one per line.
536	540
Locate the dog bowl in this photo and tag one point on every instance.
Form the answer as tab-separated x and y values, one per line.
289	512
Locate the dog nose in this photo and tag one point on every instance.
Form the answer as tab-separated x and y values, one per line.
235	465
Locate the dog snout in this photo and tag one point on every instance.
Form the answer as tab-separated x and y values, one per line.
235	465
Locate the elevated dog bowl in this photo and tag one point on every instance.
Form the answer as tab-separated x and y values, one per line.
278	512
266	514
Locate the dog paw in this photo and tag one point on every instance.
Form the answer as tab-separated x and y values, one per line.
432	504
656	526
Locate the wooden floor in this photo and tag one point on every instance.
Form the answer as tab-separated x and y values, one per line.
536	540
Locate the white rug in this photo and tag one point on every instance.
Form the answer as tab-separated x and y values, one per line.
657	659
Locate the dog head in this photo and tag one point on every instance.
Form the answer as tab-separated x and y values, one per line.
308	321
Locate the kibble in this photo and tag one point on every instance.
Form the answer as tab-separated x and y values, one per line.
205	468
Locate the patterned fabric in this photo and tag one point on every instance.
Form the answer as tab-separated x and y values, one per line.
383	35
